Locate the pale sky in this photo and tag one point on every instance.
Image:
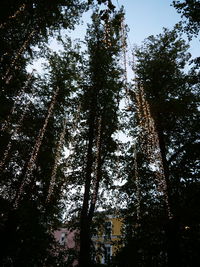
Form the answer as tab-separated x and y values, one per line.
143	17
148	17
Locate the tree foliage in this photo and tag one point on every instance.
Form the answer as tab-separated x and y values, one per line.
75	106
189	10
98	98
32	116
171	104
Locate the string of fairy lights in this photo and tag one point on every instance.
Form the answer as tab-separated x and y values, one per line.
6	123
32	161
148	132
7	77
137	182
152	147
56	160
10	18
107	34
146	123
34	154
14	133
97	161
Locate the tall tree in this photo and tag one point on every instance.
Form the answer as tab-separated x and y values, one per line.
167	108
98	100
32	127
35	190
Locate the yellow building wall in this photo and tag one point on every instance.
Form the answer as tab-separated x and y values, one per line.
116	233
116	226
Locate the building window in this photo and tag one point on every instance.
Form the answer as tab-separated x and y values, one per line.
107	254
108	230
62	238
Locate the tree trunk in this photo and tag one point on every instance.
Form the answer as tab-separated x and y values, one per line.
172	226
98	164
84	257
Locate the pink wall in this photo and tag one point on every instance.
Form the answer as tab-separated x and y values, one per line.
67	239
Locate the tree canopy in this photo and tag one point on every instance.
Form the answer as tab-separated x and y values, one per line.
61	149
